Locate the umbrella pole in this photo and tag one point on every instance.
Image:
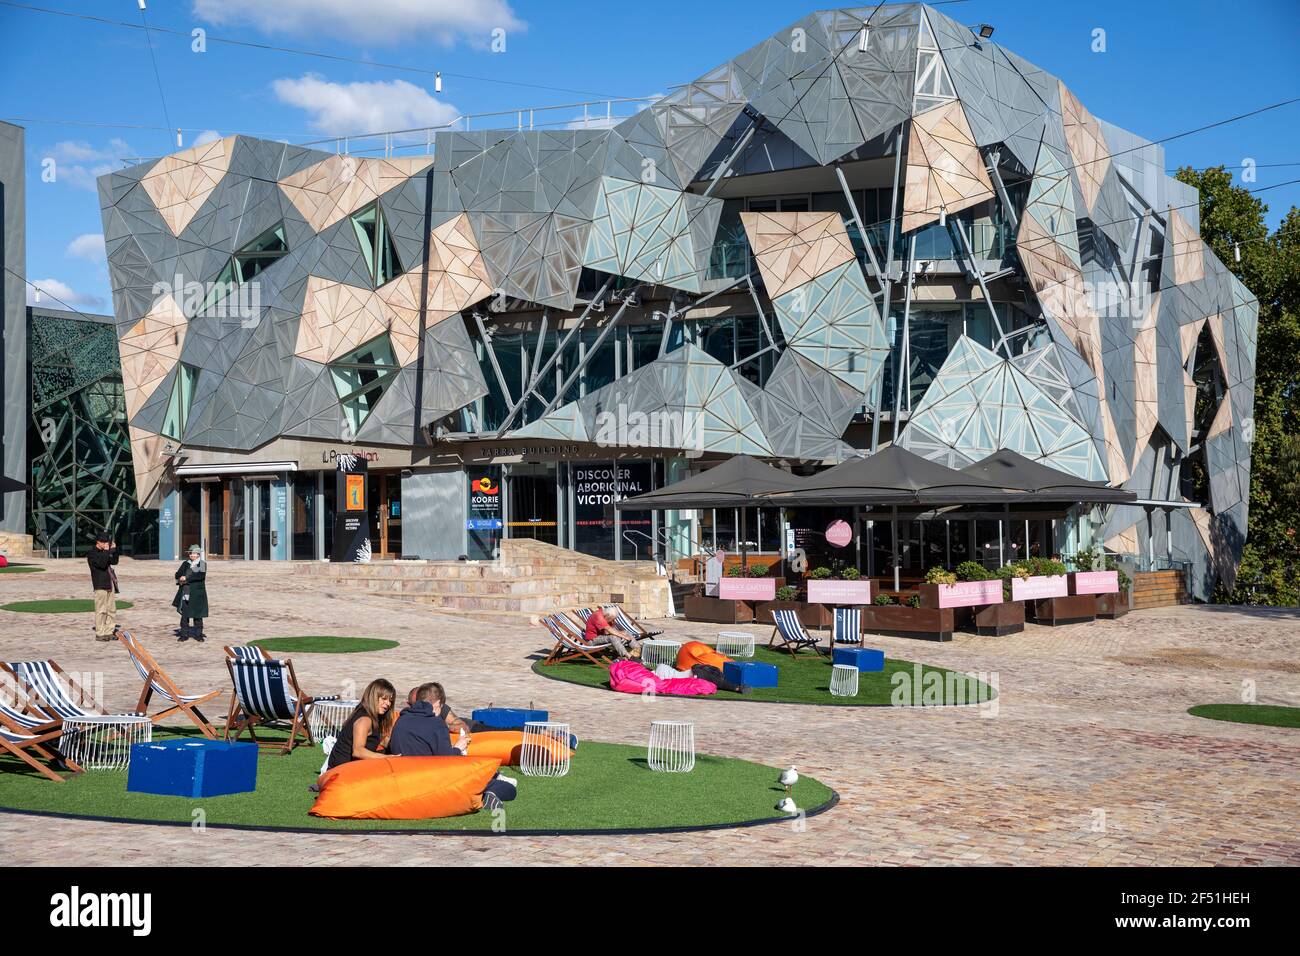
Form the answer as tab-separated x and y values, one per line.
893	524
857	537
744	535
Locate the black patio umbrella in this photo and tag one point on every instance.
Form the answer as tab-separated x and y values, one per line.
740	482
10	484
1041	483
737	483
894	476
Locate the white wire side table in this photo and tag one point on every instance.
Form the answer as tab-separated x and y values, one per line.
655	652
104	742
328	716
844	680
735	644
545	752
672	746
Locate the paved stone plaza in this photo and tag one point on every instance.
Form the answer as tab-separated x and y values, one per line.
1089	757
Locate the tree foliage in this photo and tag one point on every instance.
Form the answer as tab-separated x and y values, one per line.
1233	217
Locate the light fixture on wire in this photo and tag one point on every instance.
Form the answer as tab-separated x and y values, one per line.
437	82
943	215
179	144
36	294
140	4
985	30
1236	251
863	37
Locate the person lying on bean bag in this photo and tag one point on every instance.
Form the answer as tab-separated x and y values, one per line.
631	677
706	663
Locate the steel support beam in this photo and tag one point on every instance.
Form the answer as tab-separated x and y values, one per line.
889	271
979	277
1001	190
595	347
492	356
862	230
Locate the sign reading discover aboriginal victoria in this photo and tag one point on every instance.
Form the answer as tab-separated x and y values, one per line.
1034	589
839	592
747	589
970	593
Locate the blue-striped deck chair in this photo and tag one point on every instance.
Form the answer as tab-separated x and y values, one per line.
157	682
267	692
623	621
570	646
791	632
847	626
570	626
247	652
52	694
27	737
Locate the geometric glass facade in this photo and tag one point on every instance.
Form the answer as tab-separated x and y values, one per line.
81	477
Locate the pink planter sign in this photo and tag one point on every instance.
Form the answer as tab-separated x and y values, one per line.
839	592
747	589
1033	589
970	593
1096	582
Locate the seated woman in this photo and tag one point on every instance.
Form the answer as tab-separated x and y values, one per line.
598	628
367	730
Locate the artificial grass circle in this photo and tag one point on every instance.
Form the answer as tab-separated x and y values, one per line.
323	644
21	569
609	789
805	679
58	606
1267	715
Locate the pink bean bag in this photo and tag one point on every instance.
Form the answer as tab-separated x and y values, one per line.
630	677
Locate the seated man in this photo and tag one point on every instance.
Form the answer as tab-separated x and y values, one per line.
598	628
421	731
454	724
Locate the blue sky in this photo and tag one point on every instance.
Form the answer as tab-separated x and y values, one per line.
1168	66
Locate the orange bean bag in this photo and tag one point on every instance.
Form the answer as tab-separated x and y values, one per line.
404	788
507	746
697	652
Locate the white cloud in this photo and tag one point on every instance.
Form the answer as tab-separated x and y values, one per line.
88	246
60	295
77	163
369	21
207	136
343	109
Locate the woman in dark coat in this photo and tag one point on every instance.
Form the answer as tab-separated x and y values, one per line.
192	594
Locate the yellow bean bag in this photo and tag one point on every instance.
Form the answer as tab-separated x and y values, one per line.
697	652
404	788
507	746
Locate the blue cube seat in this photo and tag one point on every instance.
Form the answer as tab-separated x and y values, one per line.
863	658
750	673
508	717
193	768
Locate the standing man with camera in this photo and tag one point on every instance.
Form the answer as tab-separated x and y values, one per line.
104	580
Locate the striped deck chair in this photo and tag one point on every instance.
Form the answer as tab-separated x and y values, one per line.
247	652
847	626
624	622
27	738
157	682
52	693
570	646
267	692
791	632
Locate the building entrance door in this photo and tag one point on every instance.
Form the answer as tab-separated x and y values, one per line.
533	510
385	495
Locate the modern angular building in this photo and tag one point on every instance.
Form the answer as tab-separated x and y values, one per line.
877	226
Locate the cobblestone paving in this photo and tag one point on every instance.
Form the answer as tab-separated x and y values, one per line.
1088	758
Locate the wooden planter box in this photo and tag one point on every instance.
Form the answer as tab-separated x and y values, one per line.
717	611
1053	612
995	620
899	620
812	615
1112	606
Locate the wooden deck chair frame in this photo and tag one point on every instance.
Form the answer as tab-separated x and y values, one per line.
156	679
238	720
38	707
568	648
18	742
793	644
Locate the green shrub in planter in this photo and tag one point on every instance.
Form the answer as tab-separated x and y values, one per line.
1043	567
759	570
938	575
1125	582
882	600
851	574
914	601
974	571
820	574
1085	561
787	592
735	571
